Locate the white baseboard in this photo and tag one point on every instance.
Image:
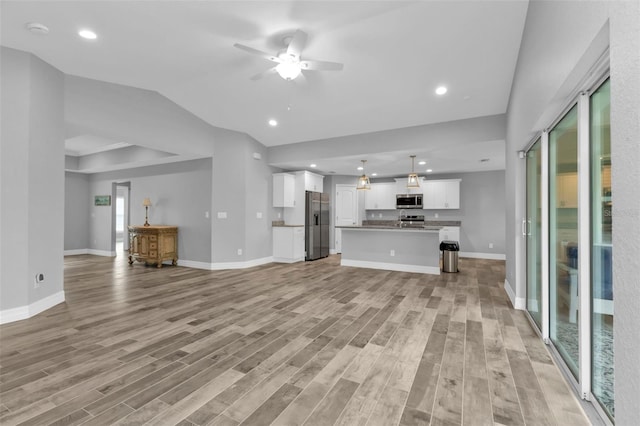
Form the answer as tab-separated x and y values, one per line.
225	265
519	303
101	252
76	252
287	260
195	265
24	312
433	270
490	256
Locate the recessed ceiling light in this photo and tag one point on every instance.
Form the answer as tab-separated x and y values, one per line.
313	165
273	123
360	168
422	163
429	170
37	28
441	90
374	174
88	34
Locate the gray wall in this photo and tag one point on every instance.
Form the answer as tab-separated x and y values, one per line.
180	194
560	42
482	211
31	179
239	185
77	204
439	135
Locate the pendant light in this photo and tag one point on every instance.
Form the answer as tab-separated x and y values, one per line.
363	181
412	180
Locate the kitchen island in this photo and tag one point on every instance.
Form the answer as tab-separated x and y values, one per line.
410	249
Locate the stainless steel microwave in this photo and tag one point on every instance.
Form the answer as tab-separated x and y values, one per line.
409	201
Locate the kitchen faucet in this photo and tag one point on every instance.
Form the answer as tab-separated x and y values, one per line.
402	214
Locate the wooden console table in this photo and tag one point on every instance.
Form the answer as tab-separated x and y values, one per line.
153	244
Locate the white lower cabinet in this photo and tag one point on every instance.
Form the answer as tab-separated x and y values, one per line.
450	233
288	244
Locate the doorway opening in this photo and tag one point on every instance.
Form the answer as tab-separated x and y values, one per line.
121	218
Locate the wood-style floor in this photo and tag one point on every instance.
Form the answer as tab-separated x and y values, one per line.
311	343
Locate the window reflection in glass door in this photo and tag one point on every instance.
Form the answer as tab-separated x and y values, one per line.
563	239
533	230
601	250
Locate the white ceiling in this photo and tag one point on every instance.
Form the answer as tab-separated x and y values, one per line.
395	53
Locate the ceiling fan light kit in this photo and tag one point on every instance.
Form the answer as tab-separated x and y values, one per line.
290	65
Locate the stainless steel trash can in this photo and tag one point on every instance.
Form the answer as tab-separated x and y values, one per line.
450	251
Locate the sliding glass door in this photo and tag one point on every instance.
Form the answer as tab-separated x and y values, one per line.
569	267
563	239
533	230
601	250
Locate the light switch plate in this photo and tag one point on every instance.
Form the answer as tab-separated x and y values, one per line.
222	215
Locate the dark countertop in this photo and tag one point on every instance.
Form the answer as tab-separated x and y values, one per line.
393	228
281	224
442	222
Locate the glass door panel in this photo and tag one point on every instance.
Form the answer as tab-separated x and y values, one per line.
534	233
563	239
601	250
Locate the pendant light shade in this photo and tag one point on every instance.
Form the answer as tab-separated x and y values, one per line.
363	181
412	180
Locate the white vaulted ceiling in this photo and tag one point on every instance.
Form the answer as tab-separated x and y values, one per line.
395	53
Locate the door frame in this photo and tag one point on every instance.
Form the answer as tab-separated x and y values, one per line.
337	245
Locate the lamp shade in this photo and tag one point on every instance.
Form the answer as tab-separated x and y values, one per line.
412	179
146	202
363	181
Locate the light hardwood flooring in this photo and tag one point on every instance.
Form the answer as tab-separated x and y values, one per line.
311	343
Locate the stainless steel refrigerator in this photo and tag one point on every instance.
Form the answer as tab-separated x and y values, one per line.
316	225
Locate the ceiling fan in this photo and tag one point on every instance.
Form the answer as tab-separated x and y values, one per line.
290	64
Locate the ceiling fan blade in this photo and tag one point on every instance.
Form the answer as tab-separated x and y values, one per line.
321	66
297	43
264	73
257	52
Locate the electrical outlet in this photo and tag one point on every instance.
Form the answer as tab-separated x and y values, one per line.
436	215
239	252
222	215
258	215
392	253
380	215
206	215
490	245
279	215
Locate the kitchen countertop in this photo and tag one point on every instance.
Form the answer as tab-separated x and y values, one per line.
281	224
392	228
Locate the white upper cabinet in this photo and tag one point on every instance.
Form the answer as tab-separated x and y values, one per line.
313	182
283	190
441	194
381	196
304	181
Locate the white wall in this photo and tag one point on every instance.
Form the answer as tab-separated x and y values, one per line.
77	203
239	184
180	194
561	41
32	183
